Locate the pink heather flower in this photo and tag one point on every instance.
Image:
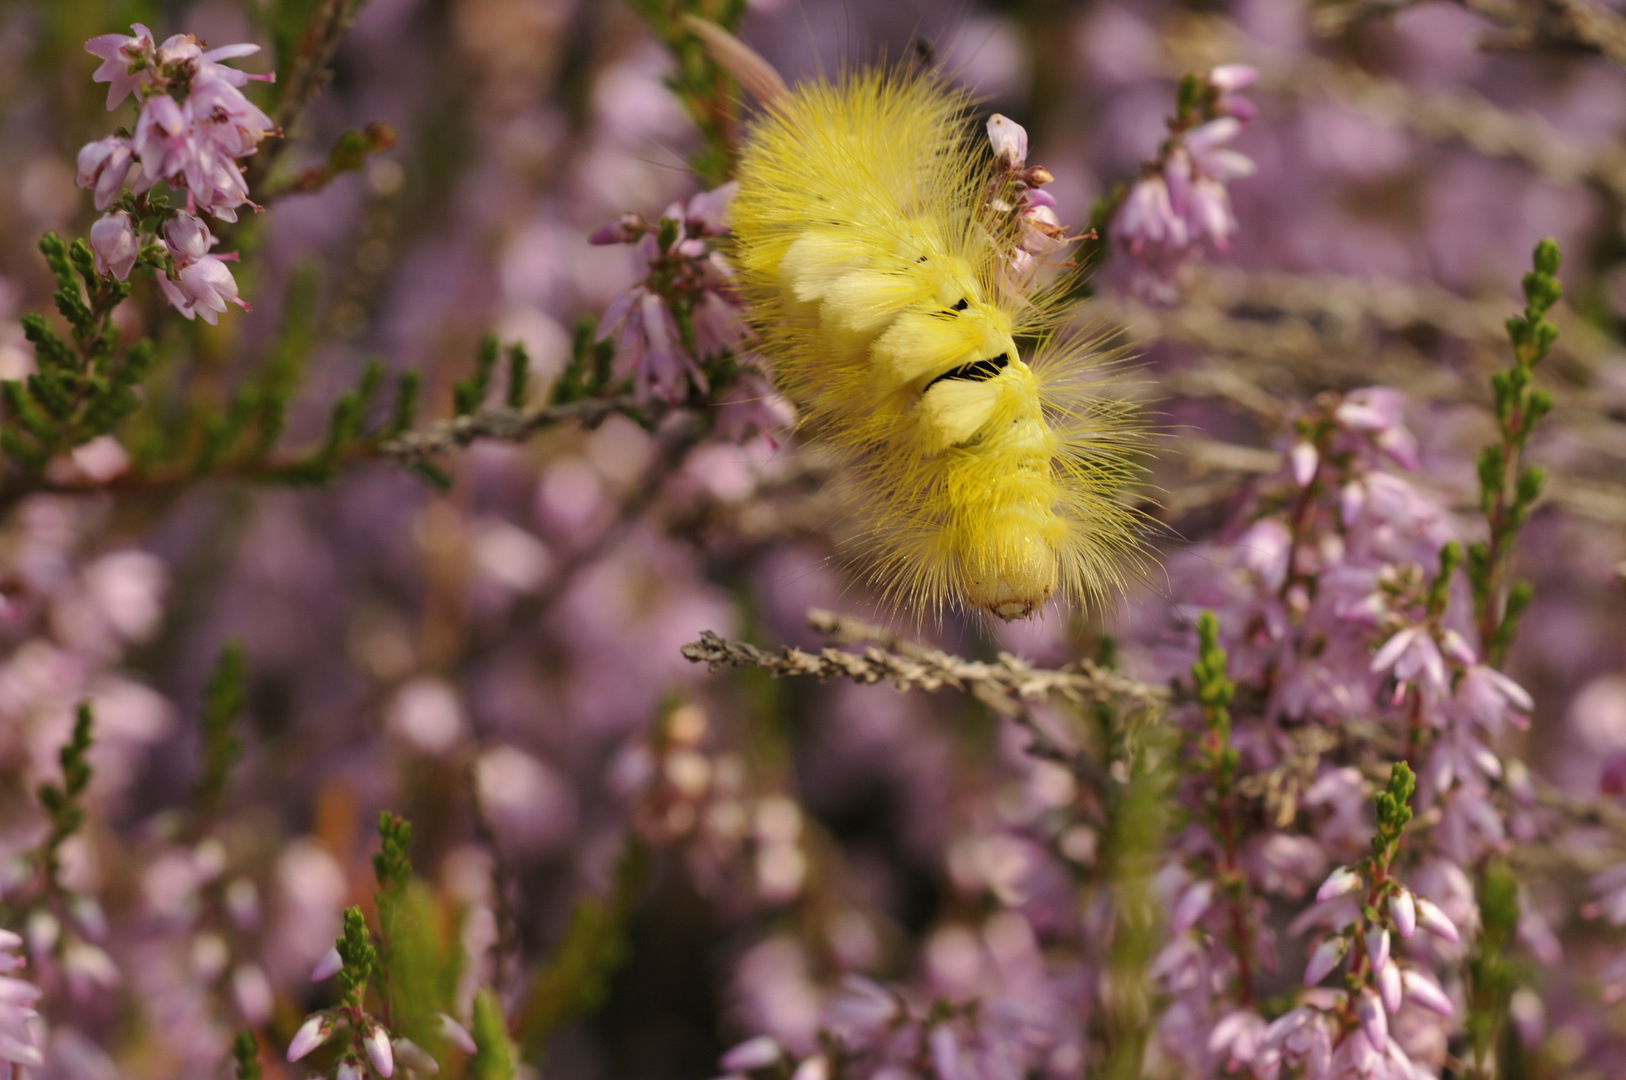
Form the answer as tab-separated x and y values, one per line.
1297	1037
1379	411
163	139
208	67
1264	549
315	1031
455	1034
757	1053
750	406
1339	883
1377	946
1009	141
1389	984
412	1057
1374	1019
1412	653
1304	459
1435	921
178	49
105	165
1327	956
1193	903
1228	79
648	334
1491	698
124	60
17	998
114	242
328	966
1147	218
379	1051
627	229
222	116
1424	992
202	284
1237	1035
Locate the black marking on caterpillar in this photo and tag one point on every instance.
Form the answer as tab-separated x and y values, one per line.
980	371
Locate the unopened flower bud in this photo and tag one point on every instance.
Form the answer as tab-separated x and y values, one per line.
757	1053
455	1034
1388	980
1435	921
1009	140
1425	993
328	966
377	1043
1305	458
1404	912
1377	946
114	242
414	1057
1328	955
315	1031
1374	1020
1341	882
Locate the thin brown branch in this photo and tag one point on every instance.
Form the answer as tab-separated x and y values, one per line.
504	425
1003	684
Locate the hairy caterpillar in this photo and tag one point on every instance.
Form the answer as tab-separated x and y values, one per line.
875	264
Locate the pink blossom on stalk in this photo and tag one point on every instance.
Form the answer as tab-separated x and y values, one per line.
750	406
17	997
1380	412
1237	1036
1492	699
648	334
694	278
1423	991
755	1053
1009	141
1340	882
455	1034
105	165
328	966
202	284
315	1031
379	1051
1299	1037
1387	977
222	117
1377	946
1304	459
124	60
1374	1019
163	139
1327	955
1411	652
114	242
412	1057
1435	921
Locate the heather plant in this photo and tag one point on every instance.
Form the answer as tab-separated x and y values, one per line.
424	643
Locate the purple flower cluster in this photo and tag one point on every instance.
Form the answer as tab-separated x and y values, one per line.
193	127
1181	198
683	313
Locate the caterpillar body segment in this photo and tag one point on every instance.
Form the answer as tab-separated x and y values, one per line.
872	271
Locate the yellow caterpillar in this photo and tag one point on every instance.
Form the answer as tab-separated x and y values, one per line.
871	264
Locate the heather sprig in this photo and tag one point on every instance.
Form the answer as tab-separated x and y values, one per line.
222	747
1217	764
1508	488
245	1052
64	802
